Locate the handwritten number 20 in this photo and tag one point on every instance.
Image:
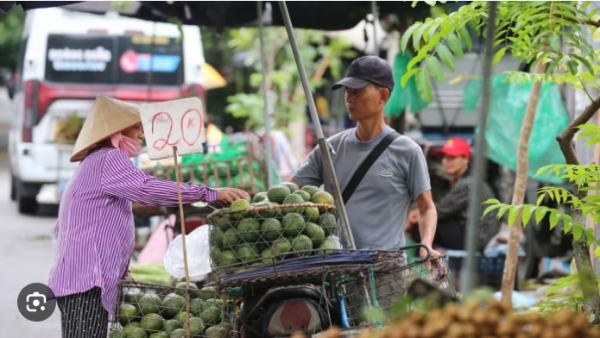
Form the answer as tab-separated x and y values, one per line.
161	143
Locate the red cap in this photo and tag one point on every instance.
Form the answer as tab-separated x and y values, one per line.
456	147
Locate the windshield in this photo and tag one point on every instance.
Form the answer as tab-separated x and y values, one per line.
114	60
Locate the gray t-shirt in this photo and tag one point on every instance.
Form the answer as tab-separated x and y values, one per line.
378	208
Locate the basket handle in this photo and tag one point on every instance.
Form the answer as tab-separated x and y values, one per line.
415	246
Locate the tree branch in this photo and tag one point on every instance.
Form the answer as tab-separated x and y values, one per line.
565	139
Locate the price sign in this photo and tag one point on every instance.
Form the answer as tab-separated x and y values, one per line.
177	123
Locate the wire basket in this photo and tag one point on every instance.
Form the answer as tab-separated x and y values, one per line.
386	288
266	234
161	310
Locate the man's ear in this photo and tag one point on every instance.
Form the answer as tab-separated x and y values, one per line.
385	95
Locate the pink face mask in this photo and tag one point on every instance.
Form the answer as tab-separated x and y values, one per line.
126	144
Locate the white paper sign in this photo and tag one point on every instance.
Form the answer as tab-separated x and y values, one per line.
177	123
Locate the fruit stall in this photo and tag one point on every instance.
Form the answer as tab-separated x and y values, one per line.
276	251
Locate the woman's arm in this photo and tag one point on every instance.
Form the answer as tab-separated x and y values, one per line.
455	202
122	179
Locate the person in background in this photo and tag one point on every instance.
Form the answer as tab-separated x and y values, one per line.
453	208
411	231
95	227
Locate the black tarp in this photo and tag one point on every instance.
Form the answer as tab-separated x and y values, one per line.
322	15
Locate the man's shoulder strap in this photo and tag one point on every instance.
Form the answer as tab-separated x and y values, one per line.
367	163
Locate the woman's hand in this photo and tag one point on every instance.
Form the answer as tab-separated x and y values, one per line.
229	195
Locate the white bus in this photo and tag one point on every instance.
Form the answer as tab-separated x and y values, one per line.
67	58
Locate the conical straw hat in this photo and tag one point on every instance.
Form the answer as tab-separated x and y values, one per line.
108	116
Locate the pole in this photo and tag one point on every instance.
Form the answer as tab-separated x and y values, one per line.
185	260
266	106
469	269
375	21
323	145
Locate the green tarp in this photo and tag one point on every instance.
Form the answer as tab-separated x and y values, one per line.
401	97
507	109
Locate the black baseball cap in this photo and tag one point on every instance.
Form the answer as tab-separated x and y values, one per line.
367	70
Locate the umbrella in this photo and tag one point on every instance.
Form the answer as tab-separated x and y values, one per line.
212	78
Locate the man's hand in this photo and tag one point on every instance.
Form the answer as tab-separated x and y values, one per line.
432	254
229	195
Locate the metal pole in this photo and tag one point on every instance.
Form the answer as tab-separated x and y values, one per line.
323	146
375	21
469	269
266	106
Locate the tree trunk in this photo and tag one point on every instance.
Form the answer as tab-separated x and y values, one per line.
583	260
512	256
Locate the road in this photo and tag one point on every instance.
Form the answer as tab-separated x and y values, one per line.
26	254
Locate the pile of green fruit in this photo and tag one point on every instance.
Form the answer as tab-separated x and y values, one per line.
283	222
148	315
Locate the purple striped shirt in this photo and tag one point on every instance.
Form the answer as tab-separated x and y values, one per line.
95	231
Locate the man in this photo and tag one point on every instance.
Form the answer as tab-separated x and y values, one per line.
379	206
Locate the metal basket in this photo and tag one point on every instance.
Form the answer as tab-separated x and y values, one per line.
264	235
158	308
387	287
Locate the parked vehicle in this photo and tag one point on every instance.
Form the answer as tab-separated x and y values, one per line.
67	58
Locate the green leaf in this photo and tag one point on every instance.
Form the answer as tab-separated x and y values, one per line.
446	56
554	217
539	214
435	68
552	66
499	55
540	199
584	62
455	44
417	36
406	77
374	314
431	32
577	232
406	36
512	215
423	85
554	41
526	214
465	36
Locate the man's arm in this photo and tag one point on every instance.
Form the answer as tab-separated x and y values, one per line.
428	218
291	180
310	172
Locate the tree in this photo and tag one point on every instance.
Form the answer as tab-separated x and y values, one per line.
283	82
534	32
11	27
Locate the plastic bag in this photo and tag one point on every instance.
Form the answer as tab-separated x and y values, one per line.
198	254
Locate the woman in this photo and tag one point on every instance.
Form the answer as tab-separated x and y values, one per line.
453	208
95	229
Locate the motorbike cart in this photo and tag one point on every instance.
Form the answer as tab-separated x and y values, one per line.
282	281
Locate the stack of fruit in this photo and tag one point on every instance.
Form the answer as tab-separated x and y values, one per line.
150	315
280	223
473	320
